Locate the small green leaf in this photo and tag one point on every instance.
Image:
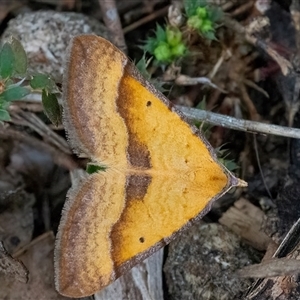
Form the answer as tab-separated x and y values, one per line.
215	14
142	65
229	164
6	61
163	52
41	81
160	33
20	63
207	26
51	106
210	35
174	36
14	93
179	50
91	168
152	42
202	104
194	22
191	6
201	12
150	45
4	115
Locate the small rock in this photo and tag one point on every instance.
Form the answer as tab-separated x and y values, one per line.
45	36
201	264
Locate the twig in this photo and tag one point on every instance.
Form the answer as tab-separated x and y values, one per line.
290	241
248	102
185	80
113	23
155	15
260	168
60	158
32	121
283	63
238	124
242	9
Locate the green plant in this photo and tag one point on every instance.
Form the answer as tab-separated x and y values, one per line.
142	66
52	109
202	17
16	82
93	168
222	154
167	45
